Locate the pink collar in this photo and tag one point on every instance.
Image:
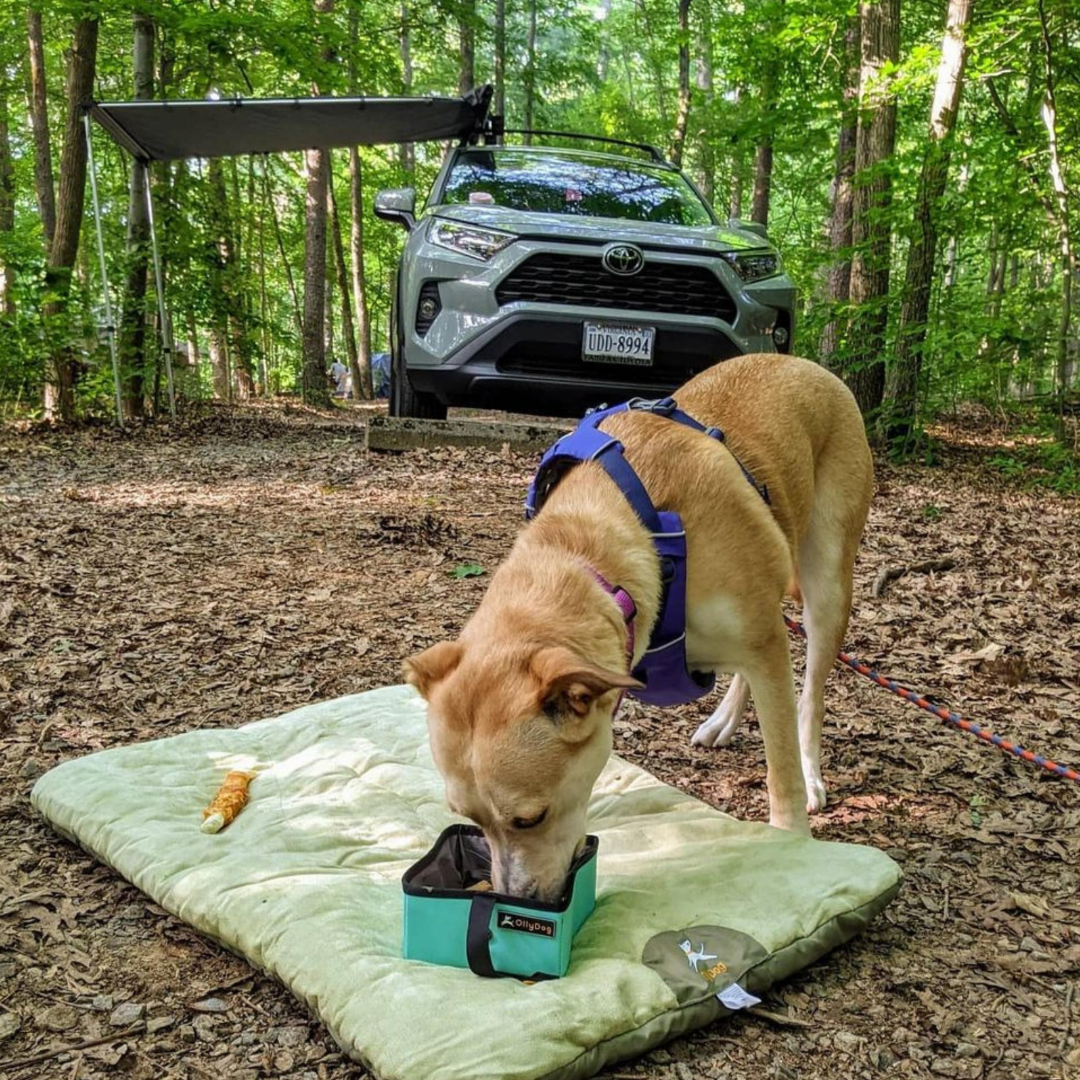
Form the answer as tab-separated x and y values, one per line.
628	608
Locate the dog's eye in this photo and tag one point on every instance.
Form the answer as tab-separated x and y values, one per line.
530	823
551	708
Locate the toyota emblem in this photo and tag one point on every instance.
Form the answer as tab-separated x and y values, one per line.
623	259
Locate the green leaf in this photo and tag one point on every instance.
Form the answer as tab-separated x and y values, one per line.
464	570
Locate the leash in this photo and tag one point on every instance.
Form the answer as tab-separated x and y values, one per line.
957	721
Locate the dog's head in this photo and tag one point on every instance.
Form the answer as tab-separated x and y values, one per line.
520	736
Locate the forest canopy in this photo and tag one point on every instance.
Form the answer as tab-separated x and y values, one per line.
914	161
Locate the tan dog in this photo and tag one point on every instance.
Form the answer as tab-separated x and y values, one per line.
520	706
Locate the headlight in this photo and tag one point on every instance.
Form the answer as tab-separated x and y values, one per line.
754	265
468	239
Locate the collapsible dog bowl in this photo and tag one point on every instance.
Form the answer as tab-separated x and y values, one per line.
491	933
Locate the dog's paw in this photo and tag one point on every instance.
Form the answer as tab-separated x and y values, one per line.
815	795
716	731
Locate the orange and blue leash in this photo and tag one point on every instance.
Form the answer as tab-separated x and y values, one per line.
947	715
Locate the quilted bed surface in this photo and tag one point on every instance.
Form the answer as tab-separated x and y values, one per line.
306	884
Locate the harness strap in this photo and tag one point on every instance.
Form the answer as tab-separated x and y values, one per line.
663	670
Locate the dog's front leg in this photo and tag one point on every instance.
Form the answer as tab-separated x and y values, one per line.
773	689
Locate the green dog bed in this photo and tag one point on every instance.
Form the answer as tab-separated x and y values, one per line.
695	910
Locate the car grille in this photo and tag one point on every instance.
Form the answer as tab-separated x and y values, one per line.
581	280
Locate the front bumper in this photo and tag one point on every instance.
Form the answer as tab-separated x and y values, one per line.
526	353
531	362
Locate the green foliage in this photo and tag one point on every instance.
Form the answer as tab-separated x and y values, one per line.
1041	463
467	570
606	66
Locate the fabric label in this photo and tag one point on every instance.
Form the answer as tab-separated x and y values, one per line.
525	924
735	997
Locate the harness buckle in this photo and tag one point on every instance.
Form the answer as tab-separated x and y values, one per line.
659	406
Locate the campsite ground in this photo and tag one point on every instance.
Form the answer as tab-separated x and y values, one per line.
250	561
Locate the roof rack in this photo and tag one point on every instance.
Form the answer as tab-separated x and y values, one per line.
495	128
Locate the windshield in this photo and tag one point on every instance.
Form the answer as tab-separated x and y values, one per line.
557	184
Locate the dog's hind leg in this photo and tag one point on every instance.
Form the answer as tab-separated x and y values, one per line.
826	563
720	728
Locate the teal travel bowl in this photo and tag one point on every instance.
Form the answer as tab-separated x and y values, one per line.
488	932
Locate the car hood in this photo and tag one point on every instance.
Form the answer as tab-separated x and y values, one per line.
710	238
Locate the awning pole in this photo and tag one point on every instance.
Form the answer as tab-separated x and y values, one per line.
110	326
163	315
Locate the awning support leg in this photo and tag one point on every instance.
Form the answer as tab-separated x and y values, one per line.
163	314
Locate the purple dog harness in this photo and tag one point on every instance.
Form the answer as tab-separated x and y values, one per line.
663	670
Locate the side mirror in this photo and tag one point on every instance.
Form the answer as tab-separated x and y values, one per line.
397	205
754	227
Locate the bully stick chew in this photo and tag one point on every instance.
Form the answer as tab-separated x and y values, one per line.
231	798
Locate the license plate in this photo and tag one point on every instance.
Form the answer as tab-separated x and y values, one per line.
614	343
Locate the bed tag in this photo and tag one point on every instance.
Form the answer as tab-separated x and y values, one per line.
735	997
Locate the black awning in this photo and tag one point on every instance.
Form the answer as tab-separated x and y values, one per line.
167	130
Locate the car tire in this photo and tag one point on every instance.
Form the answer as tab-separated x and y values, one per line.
405	399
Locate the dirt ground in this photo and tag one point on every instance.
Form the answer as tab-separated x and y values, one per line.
247	562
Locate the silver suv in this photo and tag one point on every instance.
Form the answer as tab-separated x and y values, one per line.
548	280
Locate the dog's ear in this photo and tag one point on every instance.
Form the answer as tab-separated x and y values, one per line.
431	666
569	685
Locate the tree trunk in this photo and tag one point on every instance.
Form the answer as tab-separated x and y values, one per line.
223	275
237	296
682	115
838	284
268	197
1048	112
348	329
705	85
499	104
530	71
467	37
362	371
60	378
315	390
903	381
874	144
313	343
219	361
39	122
406	151
359	281
7	206
133	317
763	157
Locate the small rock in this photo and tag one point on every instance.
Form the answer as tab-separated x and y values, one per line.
7	971
1028	944
292	1036
9	1024
965	1049
59	1018
187	1033
1073	1057
284	1060
205	1027
130	1012
247	1038
210	1005
159	1023
846	1042
131	912
682	1071
31	769
102	1003
660	1057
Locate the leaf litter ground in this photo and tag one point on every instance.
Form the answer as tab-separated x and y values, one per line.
247	562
